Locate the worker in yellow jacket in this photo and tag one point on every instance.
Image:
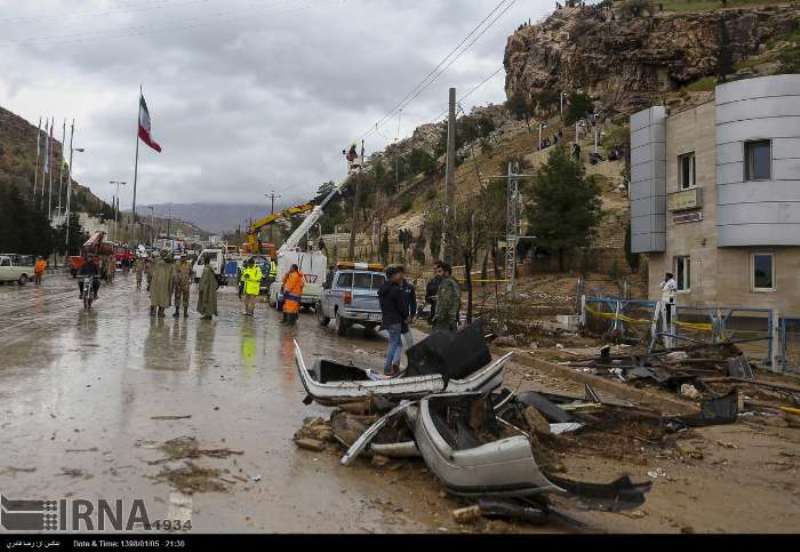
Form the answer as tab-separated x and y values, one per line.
293	284
251	277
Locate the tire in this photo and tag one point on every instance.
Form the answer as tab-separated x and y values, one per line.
370	330
341	326
23	280
323	320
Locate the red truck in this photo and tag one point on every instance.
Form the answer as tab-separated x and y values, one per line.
94	246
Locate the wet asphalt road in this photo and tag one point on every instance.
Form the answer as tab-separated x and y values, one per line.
78	391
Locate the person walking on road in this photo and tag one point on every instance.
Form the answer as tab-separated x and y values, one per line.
410	295
432	289
251	277
273	271
148	269
207	293
293	284
448	300
163	274
38	270
394	312
182	283
138	269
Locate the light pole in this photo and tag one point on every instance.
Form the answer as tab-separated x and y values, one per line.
72	150
116	211
272	196
561	100
152	224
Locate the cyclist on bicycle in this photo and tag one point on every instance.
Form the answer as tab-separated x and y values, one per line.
89	270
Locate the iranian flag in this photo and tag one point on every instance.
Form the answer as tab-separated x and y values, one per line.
144	125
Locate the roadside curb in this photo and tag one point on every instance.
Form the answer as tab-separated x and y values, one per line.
667	405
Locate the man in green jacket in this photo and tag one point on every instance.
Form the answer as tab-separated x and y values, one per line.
207	293
448	300
161	287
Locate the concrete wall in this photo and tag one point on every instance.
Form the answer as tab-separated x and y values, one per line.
647	189
767	212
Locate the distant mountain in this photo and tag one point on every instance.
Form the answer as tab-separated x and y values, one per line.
216	218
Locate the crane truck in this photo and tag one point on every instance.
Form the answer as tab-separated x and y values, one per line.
313	264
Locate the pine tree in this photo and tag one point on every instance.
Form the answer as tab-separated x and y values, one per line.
565	206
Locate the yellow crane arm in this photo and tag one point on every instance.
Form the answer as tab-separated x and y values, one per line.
257	226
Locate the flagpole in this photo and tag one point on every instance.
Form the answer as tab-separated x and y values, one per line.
44	163
38	152
69	182
50	172
136	163
61	167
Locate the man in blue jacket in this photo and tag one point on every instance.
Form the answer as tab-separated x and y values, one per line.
395	315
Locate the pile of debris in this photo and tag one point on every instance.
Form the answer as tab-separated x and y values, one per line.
702	372
498	449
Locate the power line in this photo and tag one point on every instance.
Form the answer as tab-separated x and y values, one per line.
138	7
207	19
466	43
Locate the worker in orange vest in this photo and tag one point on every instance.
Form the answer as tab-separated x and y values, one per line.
293	284
38	270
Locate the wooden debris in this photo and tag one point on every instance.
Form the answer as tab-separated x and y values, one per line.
310	444
470	514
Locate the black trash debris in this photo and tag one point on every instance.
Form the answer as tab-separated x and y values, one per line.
453	355
720	411
512	509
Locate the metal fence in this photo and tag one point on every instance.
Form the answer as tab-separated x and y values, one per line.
752	329
790	344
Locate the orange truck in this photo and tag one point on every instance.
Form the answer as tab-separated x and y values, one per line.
95	245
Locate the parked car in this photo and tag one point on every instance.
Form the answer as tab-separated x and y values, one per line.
16	268
351	297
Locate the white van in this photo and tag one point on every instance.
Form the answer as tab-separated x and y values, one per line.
16	268
214	257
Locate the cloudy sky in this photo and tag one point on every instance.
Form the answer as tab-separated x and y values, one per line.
245	96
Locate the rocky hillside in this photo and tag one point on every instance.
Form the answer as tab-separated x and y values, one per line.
18	161
624	60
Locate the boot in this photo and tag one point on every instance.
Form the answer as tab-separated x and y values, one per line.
152	311
285	318
177	313
185	312
161	312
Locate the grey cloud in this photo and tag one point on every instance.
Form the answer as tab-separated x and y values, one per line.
245	103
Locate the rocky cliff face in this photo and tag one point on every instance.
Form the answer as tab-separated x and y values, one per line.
626	61
18	160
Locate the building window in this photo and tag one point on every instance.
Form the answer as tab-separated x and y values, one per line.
686	174
683	273
757	160
763	272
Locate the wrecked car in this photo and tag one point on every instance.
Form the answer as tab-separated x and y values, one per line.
453	363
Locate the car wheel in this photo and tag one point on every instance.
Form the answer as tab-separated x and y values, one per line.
369	330
23	280
323	320
341	326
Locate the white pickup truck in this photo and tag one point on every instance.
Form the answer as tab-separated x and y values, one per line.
16	268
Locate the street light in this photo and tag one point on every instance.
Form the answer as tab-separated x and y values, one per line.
116	210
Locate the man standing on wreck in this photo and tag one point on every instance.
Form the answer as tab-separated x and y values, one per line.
448	301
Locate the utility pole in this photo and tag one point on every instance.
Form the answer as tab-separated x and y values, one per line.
272	196
354	221
449	181
512	224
